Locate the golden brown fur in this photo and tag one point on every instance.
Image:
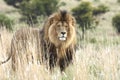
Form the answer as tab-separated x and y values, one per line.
25	46
55	43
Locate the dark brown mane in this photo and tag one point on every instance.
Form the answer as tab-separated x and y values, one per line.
63	15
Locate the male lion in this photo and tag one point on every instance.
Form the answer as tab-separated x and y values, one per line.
59	39
56	41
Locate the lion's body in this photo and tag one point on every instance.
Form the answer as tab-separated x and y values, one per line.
55	43
25	46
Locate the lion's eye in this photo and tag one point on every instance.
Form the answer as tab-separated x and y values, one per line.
58	25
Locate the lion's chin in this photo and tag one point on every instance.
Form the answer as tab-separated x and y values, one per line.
62	38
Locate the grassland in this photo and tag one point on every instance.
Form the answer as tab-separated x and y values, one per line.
98	56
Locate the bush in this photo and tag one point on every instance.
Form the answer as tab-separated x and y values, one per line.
31	9
84	16
116	22
118	1
6	22
15	3
100	9
34	8
93	40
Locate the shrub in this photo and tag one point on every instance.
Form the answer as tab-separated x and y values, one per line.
100	9
6	22
93	40
15	3
31	9
34	8
84	16
116	22
118	1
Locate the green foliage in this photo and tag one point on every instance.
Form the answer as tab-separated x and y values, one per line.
118	1
116	22
93	40
61	4
34	8
6	22
100	9
31	9
97	0
84	16
15	3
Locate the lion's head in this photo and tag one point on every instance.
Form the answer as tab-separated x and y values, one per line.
60	29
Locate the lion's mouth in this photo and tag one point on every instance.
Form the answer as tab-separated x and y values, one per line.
62	38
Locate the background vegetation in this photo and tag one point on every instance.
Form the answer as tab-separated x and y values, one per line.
85	15
6	22
31	9
116	22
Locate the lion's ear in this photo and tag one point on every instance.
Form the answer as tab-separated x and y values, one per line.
73	21
51	19
47	24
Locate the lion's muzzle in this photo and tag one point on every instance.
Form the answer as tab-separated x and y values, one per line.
63	36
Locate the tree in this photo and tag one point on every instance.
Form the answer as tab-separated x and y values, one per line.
15	3
84	16
31	9
100	9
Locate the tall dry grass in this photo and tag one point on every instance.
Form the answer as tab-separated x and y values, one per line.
91	62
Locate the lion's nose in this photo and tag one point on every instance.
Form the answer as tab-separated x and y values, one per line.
63	33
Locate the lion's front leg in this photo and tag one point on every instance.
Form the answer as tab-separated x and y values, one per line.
66	60
62	64
14	63
52	60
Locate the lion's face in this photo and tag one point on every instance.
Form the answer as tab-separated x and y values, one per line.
61	33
